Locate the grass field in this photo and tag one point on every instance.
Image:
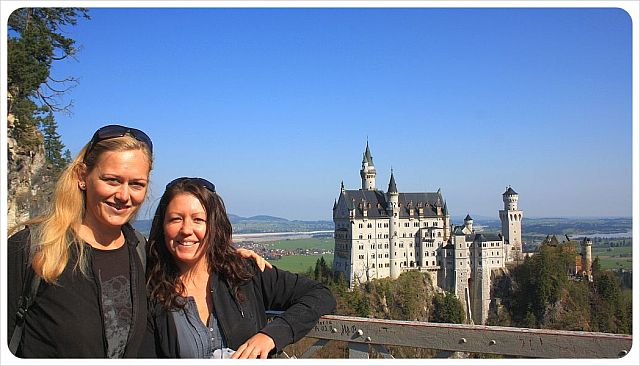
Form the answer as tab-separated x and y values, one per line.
323	243
614	258
300	263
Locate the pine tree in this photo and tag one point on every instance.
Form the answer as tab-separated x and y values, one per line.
36	40
52	145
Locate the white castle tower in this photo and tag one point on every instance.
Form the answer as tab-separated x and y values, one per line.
511	219
368	171
395	258
586	258
468	224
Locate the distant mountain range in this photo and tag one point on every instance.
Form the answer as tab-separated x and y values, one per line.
260	218
258	224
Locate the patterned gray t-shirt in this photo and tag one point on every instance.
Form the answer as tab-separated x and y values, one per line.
115	282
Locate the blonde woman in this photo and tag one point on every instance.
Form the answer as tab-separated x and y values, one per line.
91	301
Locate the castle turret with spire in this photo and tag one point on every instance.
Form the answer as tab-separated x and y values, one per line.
368	171
393	207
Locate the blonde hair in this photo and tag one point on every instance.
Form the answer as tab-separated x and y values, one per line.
54	235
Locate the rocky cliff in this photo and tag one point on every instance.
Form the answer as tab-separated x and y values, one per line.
29	181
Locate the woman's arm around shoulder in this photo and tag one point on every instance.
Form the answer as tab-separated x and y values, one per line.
303	301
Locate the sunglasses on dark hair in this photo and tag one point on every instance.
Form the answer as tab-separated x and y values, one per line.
199	181
113	131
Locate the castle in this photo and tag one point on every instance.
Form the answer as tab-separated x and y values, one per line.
382	234
581	269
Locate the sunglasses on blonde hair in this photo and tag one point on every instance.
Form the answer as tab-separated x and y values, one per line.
113	131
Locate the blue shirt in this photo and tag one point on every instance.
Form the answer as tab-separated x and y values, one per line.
195	340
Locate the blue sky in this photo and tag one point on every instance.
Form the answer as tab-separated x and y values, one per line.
275	106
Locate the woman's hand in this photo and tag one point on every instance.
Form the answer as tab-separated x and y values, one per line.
257	346
248	253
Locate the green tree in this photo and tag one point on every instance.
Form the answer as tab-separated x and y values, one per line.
52	145
35	40
446	309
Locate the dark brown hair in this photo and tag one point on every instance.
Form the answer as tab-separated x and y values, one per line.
163	276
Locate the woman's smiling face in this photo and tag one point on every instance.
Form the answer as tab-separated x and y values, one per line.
115	188
185	228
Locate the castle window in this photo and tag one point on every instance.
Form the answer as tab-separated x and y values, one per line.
360	226
360	236
386	255
361	247
369	236
369	225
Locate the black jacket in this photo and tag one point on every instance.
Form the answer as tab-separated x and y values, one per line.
66	319
303	301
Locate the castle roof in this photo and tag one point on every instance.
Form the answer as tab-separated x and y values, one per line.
553	240
367	156
481	237
376	203
392	185
468	218
509	192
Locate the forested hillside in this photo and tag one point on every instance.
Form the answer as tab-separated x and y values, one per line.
409	297
539	294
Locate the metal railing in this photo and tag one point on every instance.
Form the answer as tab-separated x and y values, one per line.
364	334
